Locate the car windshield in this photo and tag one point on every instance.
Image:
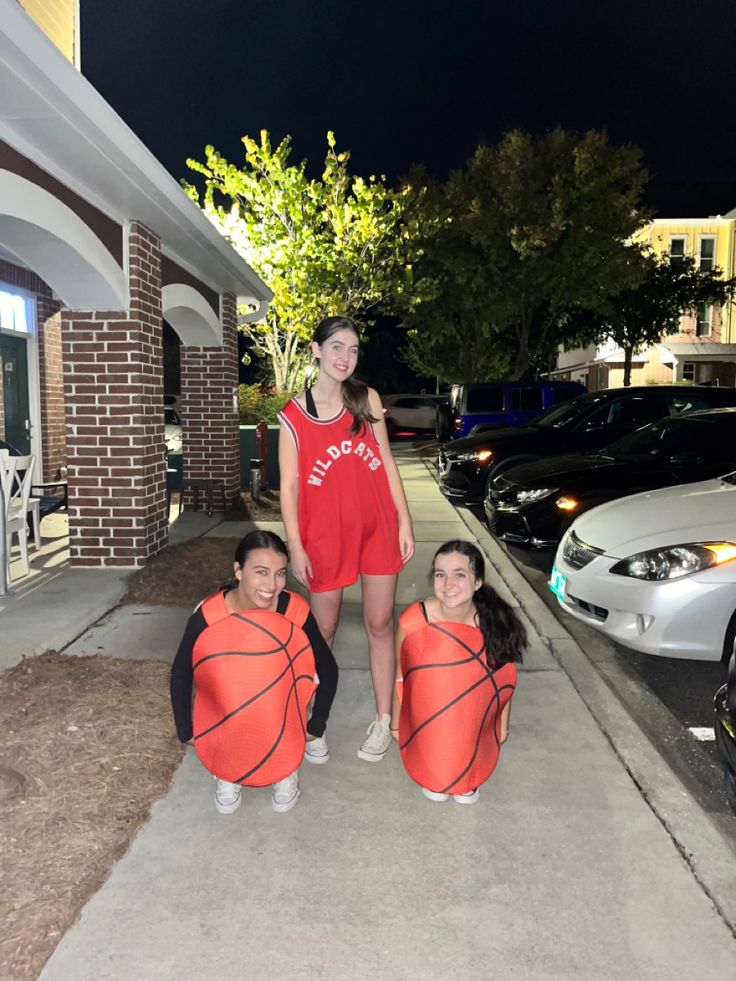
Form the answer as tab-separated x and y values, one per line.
563	415
686	436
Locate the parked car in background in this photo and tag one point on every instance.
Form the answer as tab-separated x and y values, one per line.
725	729
534	504
587	423
172	401
656	571
172	427
485	405
411	413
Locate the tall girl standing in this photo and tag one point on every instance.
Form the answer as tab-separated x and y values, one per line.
344	507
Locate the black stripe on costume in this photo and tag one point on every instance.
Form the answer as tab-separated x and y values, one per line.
255	697
449	705
209	657
271	751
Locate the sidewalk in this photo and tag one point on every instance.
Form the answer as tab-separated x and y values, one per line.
565	869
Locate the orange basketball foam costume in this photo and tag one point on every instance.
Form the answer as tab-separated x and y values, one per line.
451	704
254	678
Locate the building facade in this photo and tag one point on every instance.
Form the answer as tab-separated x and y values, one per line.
98	245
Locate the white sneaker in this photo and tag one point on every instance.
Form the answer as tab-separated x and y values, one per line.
285	793
376	745
433	795
471	797
227	796
316	750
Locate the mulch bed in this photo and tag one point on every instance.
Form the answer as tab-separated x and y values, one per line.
88	746
182	575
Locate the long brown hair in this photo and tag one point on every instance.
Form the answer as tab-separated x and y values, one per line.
354	392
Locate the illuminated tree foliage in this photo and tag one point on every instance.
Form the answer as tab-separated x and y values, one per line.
338	244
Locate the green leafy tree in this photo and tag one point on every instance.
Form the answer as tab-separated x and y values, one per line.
645	314
533	229
338	244
450	334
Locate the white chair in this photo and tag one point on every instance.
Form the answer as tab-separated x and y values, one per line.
16	522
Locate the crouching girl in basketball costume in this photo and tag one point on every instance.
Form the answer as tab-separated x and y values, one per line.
455	678
251	651
344	507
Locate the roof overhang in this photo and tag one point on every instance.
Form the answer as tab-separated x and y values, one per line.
695	351
51	114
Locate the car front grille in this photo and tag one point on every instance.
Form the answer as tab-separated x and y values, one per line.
577	553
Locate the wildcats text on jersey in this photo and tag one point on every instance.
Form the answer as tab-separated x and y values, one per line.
344	448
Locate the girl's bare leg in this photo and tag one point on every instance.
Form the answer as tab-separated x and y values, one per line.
379	594
326	610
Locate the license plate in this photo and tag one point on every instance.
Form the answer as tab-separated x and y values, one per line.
557	581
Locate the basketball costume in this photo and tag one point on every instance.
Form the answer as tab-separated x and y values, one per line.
451	704
254	677
347	518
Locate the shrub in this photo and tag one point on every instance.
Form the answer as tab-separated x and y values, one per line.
259	404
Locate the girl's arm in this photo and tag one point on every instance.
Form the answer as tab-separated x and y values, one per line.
406	532
301	567
395	704
181	681
505	716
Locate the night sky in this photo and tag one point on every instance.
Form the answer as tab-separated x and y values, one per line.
419	80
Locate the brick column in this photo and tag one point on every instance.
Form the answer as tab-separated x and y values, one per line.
51	381
113	388
211	430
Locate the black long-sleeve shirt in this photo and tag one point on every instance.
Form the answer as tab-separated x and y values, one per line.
182	673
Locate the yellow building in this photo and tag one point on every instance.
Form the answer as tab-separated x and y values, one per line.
59	20
703	351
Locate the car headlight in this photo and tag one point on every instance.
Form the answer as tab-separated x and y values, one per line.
660	564
529	496
475	456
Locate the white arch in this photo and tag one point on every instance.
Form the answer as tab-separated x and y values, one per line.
191	316
54	242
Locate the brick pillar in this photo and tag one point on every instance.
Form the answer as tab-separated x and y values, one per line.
51	380
113	389
211	431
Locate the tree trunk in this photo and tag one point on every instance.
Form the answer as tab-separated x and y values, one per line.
628	355
521	362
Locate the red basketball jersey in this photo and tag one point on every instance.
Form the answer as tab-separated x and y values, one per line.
254	678
347	518
451	703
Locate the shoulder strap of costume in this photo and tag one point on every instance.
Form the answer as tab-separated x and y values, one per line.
413	618
214	608
297	609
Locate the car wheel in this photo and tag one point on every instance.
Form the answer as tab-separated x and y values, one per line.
729	644
443	423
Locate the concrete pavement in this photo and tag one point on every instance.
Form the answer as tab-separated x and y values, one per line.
565	869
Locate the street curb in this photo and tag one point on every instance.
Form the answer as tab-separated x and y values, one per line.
701	845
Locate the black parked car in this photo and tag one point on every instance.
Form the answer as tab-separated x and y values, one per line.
534	504
725	728
587	423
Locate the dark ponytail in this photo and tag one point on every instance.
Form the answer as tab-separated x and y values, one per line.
504	635
354	392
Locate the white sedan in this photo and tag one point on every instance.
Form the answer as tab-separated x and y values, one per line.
656	571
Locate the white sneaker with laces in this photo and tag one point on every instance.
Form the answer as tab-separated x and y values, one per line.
227	796
316	750
285	793
378	740
433	795
471	797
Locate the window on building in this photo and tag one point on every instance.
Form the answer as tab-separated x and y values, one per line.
707	253
678	248
688	371
13	312
704	315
